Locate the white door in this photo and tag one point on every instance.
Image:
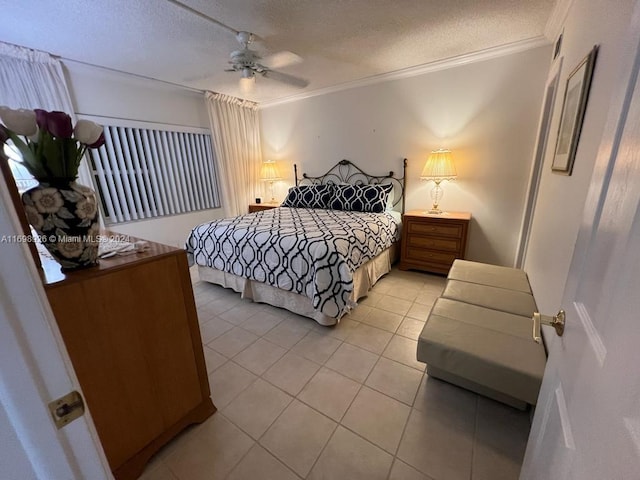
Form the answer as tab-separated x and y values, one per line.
587	423
35	370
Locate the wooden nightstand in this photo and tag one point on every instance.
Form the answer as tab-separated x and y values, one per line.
432	242
257	207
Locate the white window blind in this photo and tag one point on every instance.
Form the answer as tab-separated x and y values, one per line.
142	173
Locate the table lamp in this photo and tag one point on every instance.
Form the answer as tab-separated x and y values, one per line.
439	167
269	173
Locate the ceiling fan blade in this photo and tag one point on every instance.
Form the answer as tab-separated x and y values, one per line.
281	60
286	78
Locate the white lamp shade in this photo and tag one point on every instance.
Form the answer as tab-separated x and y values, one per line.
269	171
439	166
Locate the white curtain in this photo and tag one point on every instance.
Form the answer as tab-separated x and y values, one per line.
33	79
235	131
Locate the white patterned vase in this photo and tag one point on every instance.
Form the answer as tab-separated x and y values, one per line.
65	216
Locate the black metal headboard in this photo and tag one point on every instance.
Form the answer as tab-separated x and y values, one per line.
347	172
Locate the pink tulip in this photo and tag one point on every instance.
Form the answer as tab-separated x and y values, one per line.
59	124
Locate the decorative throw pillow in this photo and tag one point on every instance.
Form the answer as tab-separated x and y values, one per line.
309	196
361	198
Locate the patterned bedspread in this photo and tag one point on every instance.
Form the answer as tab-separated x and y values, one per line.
313	252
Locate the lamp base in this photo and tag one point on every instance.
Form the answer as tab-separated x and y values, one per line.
435	211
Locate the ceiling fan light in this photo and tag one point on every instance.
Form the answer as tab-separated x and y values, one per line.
247	73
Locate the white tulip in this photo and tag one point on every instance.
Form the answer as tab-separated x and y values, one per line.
20	121
87	132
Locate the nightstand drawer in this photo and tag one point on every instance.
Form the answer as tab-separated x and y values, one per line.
442	229
433	256
435	243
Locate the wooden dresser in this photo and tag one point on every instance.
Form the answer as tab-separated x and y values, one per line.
131	329
432	242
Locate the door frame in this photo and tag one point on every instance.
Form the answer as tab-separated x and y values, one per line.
544	129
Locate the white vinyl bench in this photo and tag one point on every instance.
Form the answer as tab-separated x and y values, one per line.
478	334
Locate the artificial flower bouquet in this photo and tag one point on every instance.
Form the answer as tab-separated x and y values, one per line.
50	146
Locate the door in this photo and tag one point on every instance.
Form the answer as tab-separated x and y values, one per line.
34	370
587	423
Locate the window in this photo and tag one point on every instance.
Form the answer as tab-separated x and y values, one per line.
141	173
24	180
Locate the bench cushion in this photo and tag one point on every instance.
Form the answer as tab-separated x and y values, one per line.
491	275
472	347
496	298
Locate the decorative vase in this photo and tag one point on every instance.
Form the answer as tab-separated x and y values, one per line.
65	216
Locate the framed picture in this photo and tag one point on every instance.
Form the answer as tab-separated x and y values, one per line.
573	108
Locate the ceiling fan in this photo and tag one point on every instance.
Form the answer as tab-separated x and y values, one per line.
248	63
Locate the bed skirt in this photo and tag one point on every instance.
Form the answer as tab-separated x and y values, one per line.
364	278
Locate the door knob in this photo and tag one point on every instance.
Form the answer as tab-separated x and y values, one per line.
557	322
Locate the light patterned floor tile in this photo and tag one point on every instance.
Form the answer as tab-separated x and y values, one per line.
369	338
402	471
383	319
227	382
298	436
378	418
260	464
371	299
433	390
316	347
213	359
340	331
404	293
212	453
259	356
287	333
500	441
419	311
255	409
396	380
353	362
403	350
427	297
329	393
219	305
359	312
439	446
213	328
157	470
261	322
241	312
348	456
410	328
394	304
291	373
233	342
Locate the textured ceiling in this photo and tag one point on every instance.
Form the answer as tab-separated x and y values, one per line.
339	40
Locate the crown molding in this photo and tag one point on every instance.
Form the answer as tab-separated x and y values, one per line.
464	59
554	25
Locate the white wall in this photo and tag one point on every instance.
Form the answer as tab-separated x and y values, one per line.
485	112
561	198
106	93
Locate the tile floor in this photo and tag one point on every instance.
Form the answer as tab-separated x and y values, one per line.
299	400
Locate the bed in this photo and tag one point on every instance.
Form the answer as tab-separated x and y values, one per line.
330	241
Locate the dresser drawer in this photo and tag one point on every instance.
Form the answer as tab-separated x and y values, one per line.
433	256
435	243
440	229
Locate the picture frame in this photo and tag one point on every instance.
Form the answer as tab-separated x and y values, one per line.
574	106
